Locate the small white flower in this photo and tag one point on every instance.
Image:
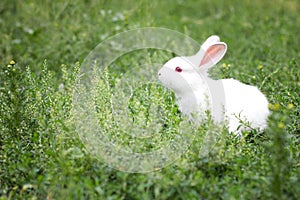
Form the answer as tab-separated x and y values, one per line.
118	17
102	12
61	87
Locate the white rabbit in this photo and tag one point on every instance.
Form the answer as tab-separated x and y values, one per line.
226	99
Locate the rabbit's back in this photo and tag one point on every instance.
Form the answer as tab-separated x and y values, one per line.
244	102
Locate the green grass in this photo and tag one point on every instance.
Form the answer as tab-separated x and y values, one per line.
41	155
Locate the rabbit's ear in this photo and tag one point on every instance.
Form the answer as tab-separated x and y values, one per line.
213	54
211	40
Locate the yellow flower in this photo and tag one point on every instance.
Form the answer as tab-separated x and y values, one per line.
12	62
275	106
224	65
260	66
280	125
290	106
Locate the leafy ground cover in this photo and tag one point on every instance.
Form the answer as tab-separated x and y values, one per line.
42	46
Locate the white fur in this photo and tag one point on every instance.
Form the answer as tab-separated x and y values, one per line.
245	102
227	99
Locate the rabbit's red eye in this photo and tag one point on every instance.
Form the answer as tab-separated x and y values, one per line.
178	69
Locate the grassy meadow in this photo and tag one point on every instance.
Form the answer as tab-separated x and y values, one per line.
42	45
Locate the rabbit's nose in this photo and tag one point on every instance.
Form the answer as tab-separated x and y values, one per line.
159	73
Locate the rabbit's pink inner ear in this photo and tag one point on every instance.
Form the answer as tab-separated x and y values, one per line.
211	53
